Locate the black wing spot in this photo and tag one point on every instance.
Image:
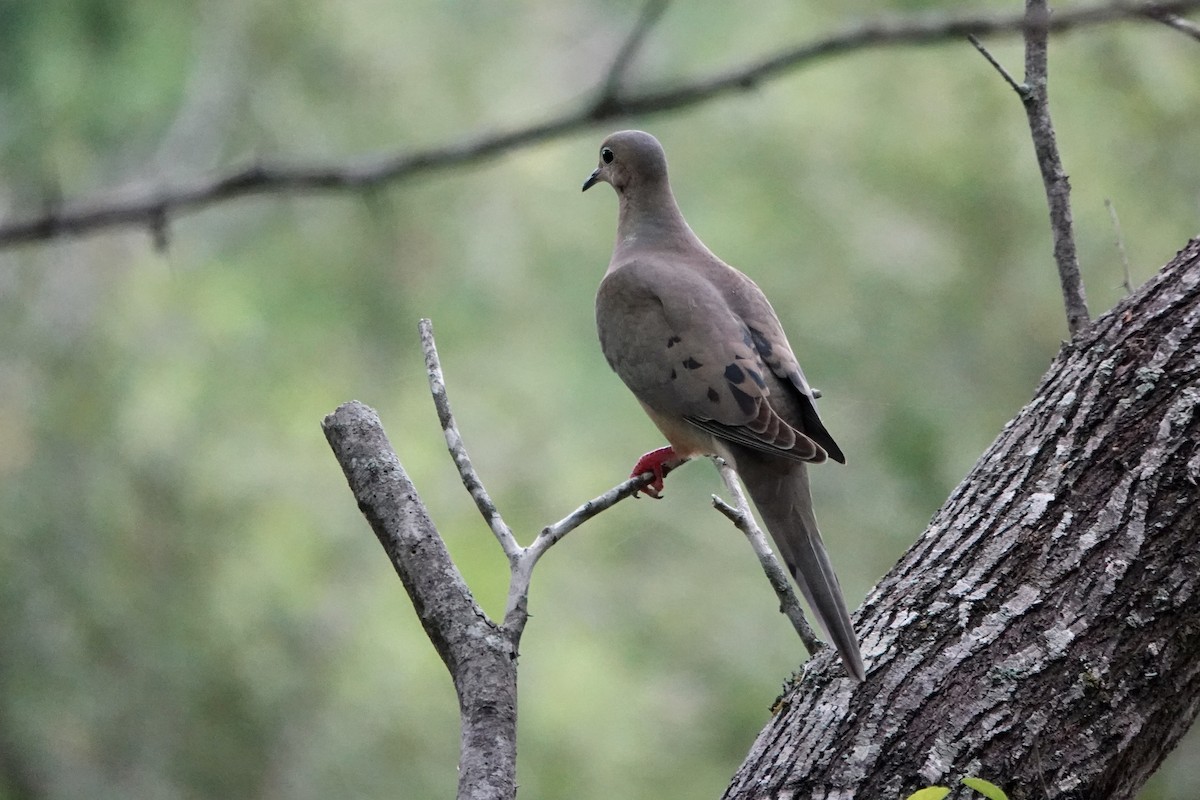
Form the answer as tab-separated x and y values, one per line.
713	396
674	340
692	363
745	402
673	375
734	374
754	376
760	343
747	337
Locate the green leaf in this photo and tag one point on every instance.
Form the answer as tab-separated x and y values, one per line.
986	788
929	793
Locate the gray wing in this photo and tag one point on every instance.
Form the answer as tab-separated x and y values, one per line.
674	339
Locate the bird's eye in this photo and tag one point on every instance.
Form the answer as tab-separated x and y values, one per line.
606	155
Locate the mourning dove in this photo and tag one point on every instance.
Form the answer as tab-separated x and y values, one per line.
699	345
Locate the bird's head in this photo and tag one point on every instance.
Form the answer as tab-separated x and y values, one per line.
629	159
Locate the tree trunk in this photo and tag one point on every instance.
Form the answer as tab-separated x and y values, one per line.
1044	632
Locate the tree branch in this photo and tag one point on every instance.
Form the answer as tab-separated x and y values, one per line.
611	87
1044	632
480	655
1119	240
1058	188
742	518
517	611
1035	98
1184	26
991	59
458	450
153	207
480	658
521	560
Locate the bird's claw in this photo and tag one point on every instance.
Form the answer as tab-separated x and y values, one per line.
657	463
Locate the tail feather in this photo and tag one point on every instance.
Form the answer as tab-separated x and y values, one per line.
781	494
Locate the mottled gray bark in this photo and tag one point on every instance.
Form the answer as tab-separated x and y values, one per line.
480	656
1044	632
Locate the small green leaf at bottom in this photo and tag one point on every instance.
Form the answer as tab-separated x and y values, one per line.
986	788
929	793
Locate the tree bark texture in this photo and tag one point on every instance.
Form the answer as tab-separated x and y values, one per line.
1044	632
480	656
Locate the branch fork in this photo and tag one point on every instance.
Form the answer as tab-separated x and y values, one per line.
522	560
479	653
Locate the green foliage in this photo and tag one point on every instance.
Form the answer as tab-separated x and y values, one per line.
929	793
190	603
989	790
986	788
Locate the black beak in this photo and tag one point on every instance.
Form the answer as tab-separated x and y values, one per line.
592	180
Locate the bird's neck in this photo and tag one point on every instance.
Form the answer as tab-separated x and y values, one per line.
649	219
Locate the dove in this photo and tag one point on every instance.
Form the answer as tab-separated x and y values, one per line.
702	350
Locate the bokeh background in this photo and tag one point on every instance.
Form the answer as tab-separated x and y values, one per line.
190	603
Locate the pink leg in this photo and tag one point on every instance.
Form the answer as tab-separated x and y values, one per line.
659	462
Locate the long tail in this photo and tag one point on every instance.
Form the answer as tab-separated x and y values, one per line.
780	492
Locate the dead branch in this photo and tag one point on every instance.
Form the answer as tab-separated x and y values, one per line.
1034	96
153	207
740	515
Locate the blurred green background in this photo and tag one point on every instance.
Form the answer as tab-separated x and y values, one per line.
191	605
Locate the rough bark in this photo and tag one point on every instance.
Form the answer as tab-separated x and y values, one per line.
1044	632
480	656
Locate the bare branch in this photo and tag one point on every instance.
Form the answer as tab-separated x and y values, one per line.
458	451
392	506
1016	87
153	207
651	13
1054	177
1034	96
551	534
516	612
469	643
1184	26
1120	242
739	514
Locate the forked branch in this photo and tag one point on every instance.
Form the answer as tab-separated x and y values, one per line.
470	643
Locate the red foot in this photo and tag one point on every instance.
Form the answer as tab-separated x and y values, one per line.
659	462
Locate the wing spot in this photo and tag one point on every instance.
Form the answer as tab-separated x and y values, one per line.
734	374
673	375
713	396
692	363
760	343
754	376
674	340
745	402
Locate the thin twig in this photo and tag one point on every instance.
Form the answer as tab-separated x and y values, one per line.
150	206
611	88
551	534
458	451
1112	213
1054	177
1035	98
739	514
1184	26
1016	87
516	612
